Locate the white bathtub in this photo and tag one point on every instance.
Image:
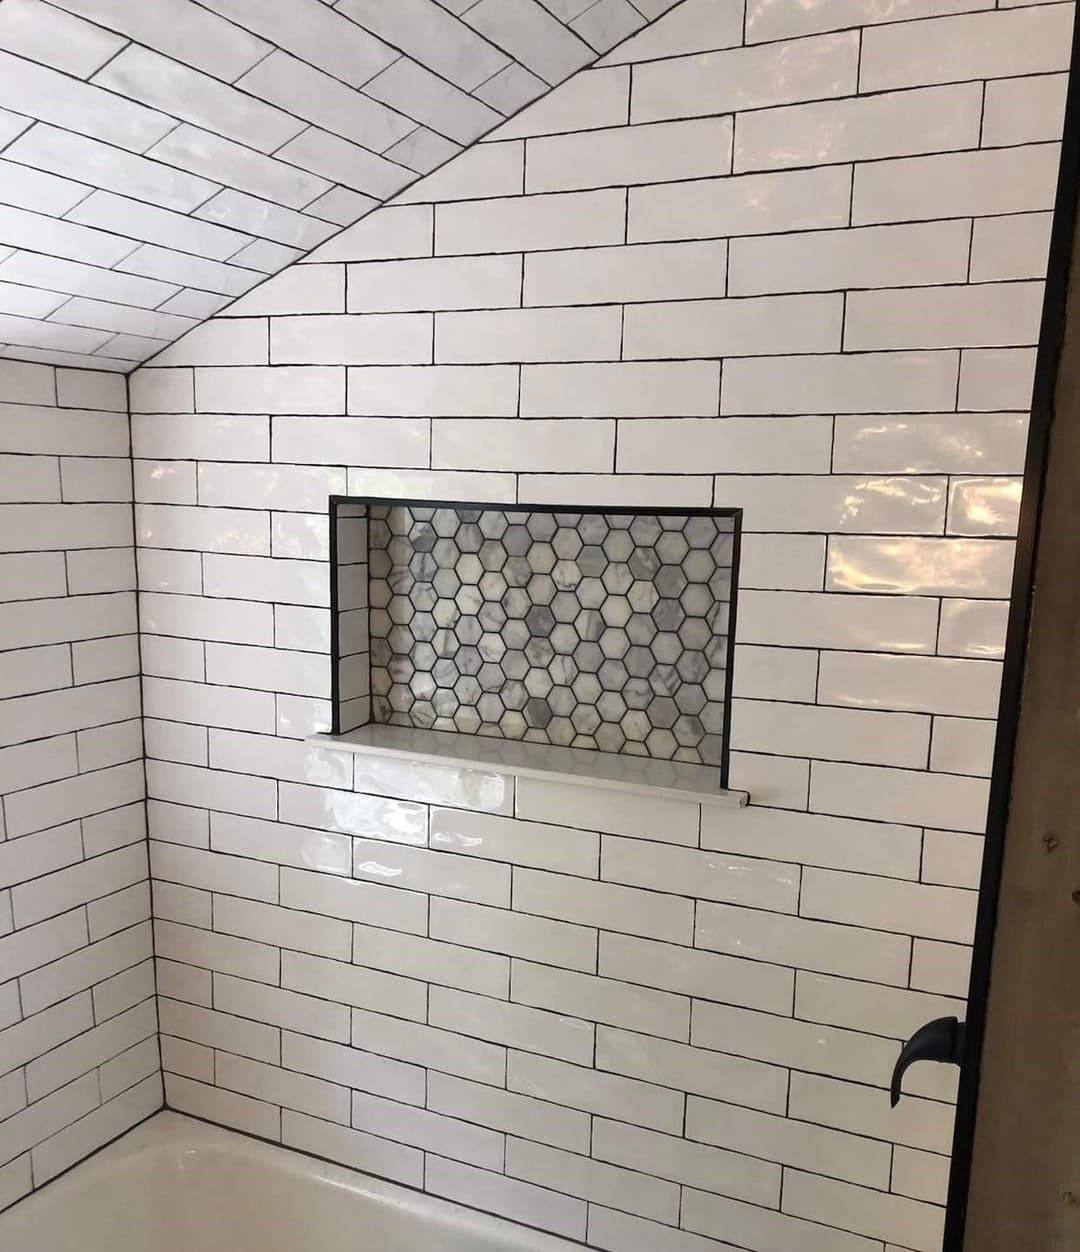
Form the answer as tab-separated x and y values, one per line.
177	1185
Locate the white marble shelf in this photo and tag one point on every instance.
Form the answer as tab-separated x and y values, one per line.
574	766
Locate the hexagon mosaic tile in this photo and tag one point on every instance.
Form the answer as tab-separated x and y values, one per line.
582	629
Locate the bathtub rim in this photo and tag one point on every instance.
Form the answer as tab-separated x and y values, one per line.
169	1133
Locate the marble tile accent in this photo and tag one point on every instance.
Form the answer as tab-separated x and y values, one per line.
605	631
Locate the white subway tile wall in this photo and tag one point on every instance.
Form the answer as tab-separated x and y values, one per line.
78	1022
791	264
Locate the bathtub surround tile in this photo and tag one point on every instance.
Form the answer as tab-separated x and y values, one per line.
355	1149
741	976
77	1020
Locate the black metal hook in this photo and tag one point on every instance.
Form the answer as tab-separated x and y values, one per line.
940	1040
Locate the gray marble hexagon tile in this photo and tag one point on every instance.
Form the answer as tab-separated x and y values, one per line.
586	630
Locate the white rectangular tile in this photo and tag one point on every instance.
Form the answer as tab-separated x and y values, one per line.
270	1006
624	1099
341	983
936	119
868	1212
517	1200
864	383
995	314
966	688
719	1217
538	445
163	83
1010	180
873	256
734	328
433	1132
608	905
981	568
974	46
429	1046
1012	246
931	443
366	902
629	155
750	204
787	1041
355	1148
787	1142
527	335
568	220
595	1181
434	283
862	623
886	904
742	79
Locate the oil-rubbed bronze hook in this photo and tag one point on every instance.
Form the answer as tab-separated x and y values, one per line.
940	1040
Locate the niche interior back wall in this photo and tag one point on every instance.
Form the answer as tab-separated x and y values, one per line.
78	1026
789	260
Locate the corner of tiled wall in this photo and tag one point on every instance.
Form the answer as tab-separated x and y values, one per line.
78	1024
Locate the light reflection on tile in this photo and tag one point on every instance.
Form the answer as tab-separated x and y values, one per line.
920	567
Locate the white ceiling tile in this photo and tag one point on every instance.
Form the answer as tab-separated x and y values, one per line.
44	193
655	8
236	166
160	226
11	124
343	162
342	206
42	33
319	98
532	36
22	330
266	256
411	89
314	33
266	220
28	301
130	347
22	229
102	315
87	280
195	97
423	150
5	253
179	29
182	268
430	36
197	304
511	89
74	360
81	107
109	168
607	23
567	10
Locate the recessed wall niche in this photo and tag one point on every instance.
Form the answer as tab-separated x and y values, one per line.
608	630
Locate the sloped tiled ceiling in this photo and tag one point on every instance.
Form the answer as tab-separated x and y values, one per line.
160	157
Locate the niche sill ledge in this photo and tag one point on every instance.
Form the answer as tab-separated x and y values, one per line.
573	766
